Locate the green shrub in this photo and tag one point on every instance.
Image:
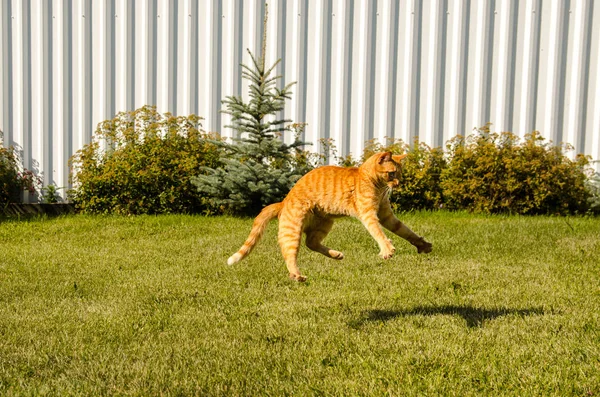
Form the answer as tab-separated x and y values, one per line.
10	185
142	163
420	179
419	186
13	181
491	173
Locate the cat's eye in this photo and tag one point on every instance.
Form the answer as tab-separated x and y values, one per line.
392	175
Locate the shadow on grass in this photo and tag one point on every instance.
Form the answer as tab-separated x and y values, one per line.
27	212
474	316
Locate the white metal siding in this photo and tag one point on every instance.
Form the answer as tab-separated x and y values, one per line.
365	69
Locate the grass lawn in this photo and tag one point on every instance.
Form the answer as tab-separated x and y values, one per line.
148	306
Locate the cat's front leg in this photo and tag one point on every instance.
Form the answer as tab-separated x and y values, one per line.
393	224
371	222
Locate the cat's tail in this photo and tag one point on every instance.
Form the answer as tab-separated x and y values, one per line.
258	228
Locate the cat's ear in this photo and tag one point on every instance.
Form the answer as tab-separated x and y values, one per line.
383	157
398	159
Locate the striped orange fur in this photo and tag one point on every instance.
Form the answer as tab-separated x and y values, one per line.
329	192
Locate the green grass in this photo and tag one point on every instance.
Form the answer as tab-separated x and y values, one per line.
147	306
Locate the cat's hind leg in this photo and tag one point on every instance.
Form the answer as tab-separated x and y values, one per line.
315	233
290	234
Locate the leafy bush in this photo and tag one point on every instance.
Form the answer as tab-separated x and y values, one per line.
420	179
10	185
420	176
142	163
490	172
13	181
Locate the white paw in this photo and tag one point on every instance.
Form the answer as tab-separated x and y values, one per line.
336	255
387	254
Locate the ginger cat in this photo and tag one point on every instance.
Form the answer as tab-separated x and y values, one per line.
330	192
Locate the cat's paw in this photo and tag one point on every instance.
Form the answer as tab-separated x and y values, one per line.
424	248
336	255
298	277
387	253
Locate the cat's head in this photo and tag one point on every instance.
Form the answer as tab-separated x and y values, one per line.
386	167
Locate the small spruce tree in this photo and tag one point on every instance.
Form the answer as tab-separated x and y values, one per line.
260	168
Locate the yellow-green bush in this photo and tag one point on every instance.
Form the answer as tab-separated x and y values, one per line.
419	186
420	178
491	173
141	162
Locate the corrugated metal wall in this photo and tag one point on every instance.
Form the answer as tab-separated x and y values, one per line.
365	69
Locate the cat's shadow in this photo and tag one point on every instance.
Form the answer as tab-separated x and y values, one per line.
473	316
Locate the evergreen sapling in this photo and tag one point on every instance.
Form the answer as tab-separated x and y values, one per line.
259	168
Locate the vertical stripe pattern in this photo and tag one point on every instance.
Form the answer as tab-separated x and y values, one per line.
365	69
